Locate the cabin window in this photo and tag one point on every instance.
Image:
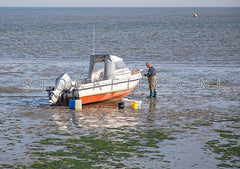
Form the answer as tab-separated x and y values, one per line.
98	72
120	65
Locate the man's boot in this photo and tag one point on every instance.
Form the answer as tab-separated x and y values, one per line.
151	95
154	94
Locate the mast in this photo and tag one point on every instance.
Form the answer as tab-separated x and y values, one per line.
94	38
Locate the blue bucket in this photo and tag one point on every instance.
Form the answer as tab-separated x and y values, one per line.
72	104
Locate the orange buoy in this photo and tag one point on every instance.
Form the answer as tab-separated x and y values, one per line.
195	15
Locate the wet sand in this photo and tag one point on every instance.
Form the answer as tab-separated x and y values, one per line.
40	135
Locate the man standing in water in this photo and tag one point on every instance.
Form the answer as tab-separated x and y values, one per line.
151	79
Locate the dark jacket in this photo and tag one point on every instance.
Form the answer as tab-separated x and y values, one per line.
151	72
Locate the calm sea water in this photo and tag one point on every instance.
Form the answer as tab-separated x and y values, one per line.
38	44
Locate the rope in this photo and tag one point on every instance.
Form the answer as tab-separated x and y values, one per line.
194	83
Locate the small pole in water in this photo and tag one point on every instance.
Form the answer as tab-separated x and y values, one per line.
94	38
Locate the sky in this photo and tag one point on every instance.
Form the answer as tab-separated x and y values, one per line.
119	3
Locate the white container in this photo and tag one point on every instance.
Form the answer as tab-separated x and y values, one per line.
78	104
138	103
127	103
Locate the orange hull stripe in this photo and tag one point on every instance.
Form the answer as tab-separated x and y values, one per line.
105	96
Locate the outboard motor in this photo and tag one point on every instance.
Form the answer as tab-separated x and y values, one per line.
62	83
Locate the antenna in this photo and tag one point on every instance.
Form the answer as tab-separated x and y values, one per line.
94	38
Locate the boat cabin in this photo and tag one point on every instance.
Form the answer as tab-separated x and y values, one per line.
106	67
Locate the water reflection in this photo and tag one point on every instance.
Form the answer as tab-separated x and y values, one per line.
151	116
98	115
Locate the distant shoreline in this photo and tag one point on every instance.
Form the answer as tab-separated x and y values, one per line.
116	7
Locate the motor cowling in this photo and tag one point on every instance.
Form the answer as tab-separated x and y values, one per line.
62	83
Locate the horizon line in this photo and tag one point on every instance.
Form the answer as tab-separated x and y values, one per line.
119	6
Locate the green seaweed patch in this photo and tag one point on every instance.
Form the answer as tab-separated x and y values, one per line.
178	131
52	141
36	148
223	131
201	124
154	134
10	144
104	150
230	151
190	127
6	166
230	136
236	120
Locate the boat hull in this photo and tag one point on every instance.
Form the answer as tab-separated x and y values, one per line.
105	96
100	91
96	98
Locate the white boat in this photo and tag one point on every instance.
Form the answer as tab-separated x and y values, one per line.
108	79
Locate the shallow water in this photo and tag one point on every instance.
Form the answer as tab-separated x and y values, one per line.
198	74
